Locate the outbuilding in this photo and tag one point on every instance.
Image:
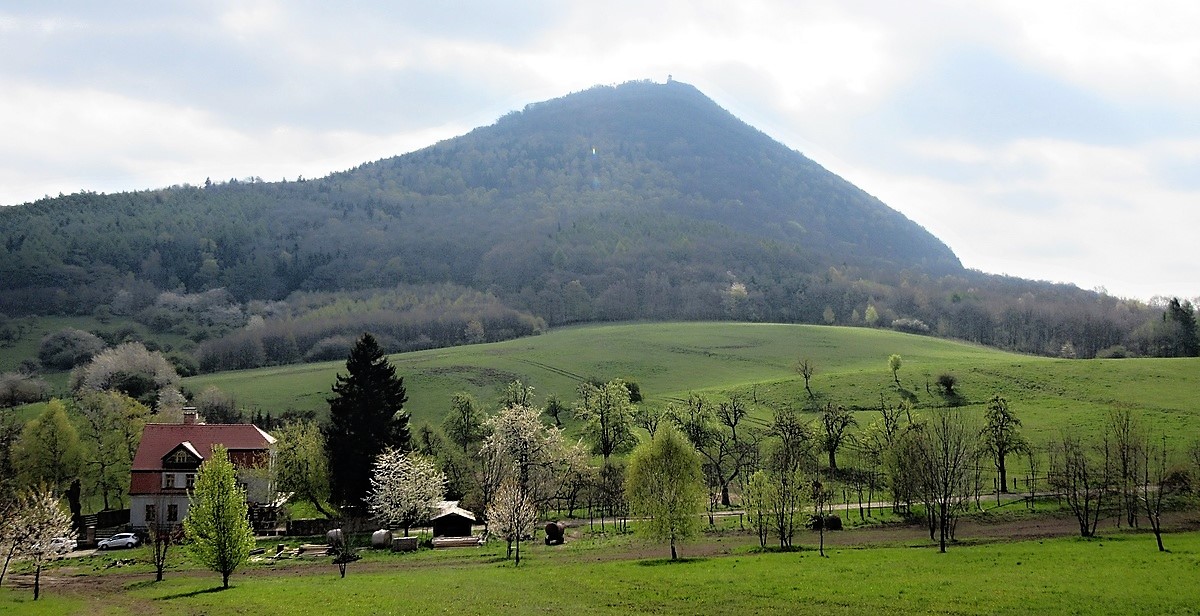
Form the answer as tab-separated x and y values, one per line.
452	521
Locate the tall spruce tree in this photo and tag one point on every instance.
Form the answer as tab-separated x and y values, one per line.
366	416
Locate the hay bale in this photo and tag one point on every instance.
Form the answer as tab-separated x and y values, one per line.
555	533
404	544
381	539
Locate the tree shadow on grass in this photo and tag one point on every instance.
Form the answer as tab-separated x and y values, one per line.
659	562
194	593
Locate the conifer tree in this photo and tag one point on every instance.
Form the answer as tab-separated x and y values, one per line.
366	417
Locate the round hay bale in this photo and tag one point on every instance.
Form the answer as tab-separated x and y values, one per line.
555	533
381	539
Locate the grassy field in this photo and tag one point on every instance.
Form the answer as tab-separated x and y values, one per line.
757	361
1118	574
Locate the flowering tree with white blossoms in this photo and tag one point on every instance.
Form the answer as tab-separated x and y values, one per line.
405	488
39	518
527	464
511	515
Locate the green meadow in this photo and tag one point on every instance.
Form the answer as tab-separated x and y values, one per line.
757	362
1119	574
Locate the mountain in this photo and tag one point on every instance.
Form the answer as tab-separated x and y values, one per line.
643	177
640	201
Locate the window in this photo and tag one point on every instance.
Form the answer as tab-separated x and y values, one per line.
151	513
191	481
172	513
180	457
169	480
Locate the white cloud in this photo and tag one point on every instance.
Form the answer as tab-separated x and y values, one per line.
1049	140
1060	211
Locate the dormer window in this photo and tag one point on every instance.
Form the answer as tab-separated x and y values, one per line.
180	457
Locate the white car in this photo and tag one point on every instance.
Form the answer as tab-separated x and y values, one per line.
119	540
63	545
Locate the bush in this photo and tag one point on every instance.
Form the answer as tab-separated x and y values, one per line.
17	388
67	348
913	326
831	522
1113	352
946	383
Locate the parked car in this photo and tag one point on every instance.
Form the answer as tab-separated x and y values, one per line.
62	545
119	540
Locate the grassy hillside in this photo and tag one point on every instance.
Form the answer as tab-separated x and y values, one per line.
757	361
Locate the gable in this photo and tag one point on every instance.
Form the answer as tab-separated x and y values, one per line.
184	455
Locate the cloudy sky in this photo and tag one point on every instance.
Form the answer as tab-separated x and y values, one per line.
1055	140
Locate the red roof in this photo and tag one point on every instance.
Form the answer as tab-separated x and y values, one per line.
159	439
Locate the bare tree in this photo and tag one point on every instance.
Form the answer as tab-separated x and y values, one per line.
161	535
1124	432
1154	486
822	494
834	420
1081	473
648	418
788	460
950	450
806	368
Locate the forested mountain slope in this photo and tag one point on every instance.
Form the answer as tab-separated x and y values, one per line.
640	201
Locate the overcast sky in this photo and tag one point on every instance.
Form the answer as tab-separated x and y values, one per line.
1044	139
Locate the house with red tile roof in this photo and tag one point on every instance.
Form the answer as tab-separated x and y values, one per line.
164	468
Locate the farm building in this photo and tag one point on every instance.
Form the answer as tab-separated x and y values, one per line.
169	455
452	520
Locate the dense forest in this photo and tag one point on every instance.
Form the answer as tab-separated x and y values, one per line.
641	201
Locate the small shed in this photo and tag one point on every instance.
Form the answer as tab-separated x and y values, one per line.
452	521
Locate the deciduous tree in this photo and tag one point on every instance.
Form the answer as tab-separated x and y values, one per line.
217	524
112	425
788	459
664	483
1001	436
217	407
949	447
301	465
1125	436
129	368
834	421
512	515
49	451
39	518
1154	487
1080	471
806	368
405	488
607	415
464	424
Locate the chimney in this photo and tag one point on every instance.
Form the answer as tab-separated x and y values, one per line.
189	415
